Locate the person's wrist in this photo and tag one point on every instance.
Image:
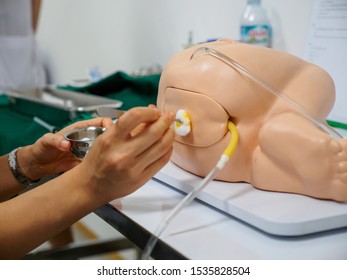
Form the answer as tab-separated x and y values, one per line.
27	163
17	171
95	186
88	185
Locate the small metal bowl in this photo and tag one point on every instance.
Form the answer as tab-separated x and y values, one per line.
82	138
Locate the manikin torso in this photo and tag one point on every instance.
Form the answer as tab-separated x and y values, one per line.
278	148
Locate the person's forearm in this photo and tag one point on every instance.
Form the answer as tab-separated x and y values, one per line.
33	217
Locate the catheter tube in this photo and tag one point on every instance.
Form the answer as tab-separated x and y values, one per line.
235	65
192	194
233	141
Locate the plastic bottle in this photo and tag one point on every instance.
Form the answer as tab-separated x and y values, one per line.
255	26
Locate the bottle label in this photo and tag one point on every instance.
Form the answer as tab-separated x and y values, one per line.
256	34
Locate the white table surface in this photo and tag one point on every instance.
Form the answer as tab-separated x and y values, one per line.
203	232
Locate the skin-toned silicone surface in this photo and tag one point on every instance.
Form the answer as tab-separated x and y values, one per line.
278	149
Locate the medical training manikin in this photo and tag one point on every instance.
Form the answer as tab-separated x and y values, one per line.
278	149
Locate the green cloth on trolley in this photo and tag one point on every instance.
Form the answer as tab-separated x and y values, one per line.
17	127
132	91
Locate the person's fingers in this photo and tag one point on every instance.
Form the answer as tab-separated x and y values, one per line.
152	106
142	126
143	176
152	133
100	121
157	150
134	117
158	164
137	130
50	140
103	122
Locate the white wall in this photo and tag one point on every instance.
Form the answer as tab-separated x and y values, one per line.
126	34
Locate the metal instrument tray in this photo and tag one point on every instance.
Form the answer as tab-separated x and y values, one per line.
66	104
70	101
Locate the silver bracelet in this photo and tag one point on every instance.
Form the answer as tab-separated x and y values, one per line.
16	170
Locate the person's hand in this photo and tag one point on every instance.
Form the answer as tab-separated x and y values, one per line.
51	153
128	153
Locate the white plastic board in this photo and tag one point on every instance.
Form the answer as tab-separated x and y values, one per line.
275	213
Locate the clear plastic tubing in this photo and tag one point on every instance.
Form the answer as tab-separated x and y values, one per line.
232	63
185	201
213	173
227	153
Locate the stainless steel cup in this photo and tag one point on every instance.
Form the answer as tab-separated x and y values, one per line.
82	138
